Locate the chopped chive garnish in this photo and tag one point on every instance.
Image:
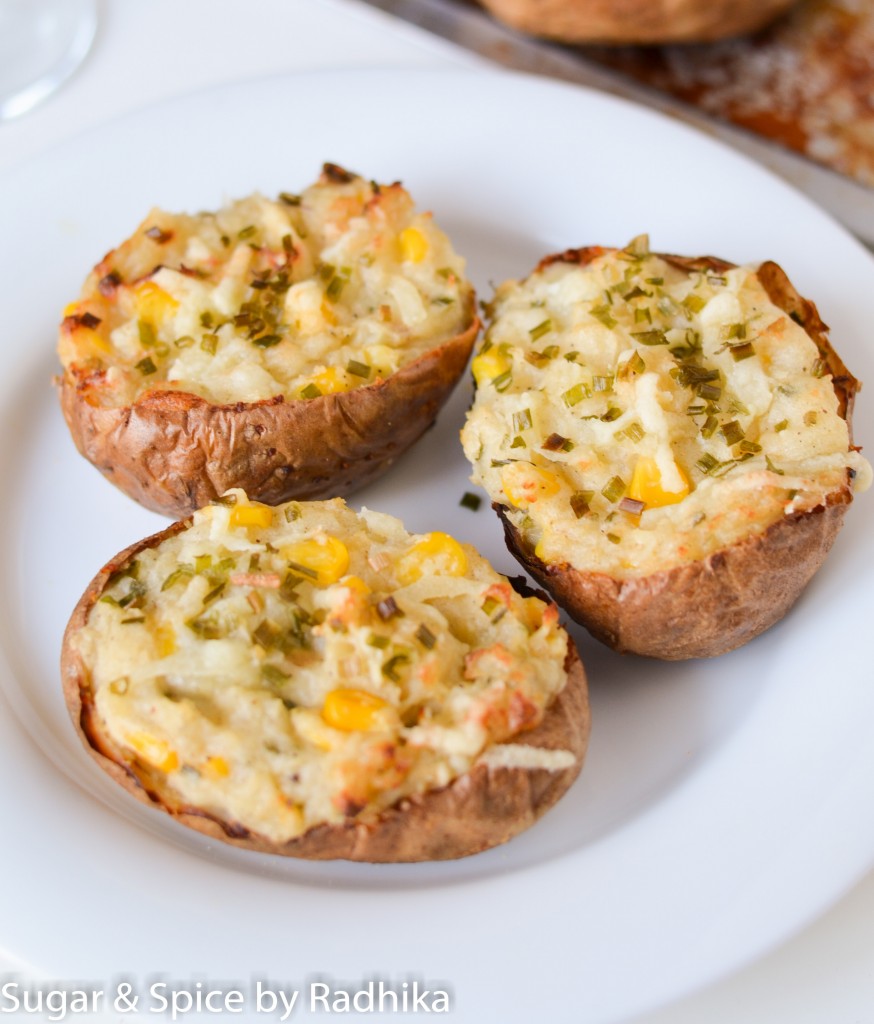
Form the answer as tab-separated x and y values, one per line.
614	489
247	232
643	315
634	432
202	563
711	392
709	427
571	357
292	512
181	572
749	448
707	463
136	618
542	328
732	432
602	313
502	381
311	574
209	343
580	502
773	468
522	420
471	501
819	368
810	418
654	337
575	395
602	384
390	668
694	410
388	608
557	443
694	303
267	340
782	425
741	352
614	538
289	199
632	506
336	285
518	442
654	280
274	675
613	413
634	364
207	628
186	341
119	686
738	331
310	391
146	332
425	637
375	640
147	366
636	293
207	320
358	369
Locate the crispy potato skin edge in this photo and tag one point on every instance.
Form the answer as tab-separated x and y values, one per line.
481	809
637	21
174	452
715	605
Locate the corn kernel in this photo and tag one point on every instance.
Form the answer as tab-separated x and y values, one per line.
353	710
215	768
328	315
414	245
524	484
436	554
325	556
488	365
165	640
330	381
356	585
154	751
646	485
153	304
252	515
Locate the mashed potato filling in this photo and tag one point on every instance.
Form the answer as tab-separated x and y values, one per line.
286	667
632	417
301	296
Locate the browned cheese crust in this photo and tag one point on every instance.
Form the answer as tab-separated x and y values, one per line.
175	452
637	21
713	606
479	810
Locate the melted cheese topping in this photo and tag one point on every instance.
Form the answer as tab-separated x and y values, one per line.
300	296
281	668
632	417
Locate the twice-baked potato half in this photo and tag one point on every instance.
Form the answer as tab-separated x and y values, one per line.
637	21
667	441
309	681
291	347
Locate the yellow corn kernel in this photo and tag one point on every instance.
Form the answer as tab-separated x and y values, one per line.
165	640
353	710
414	245
524	484
328	315
71	309
215	768
153	304
252	515
323	555
356	585
329	382
436	554
154	751
312	728
646	485
488	365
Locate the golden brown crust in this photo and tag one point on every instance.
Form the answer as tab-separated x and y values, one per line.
175	452
715	605
483	808
637	21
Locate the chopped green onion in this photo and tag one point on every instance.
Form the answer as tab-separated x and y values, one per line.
207	320
694	303
147	366
304	570
522	420
614	538
819	368
654	280
613	413
732	432
556	443
654	337
749	448
634	432
573	396
202	563
181	572
741	352
388	609
146	332
375	640
614	489
214	594
267	340
274	675
390	668
208	628
602	313
643	315
425	637
634	364
471	501
810	418
571	357
773	468
602	384
292	512
518	442
782	425
289	199
734	331
580	502
358	369
709	391
310	391
709	427
502	381
209	343
186	341
707	463
542	328
247	232
638	246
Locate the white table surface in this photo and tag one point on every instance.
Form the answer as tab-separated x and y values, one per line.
147	50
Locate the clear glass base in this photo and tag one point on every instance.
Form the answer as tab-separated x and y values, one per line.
42	42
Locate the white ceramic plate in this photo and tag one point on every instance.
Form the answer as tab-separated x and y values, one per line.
723	804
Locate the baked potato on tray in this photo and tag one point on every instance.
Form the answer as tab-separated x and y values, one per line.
309	681
291	347
667	441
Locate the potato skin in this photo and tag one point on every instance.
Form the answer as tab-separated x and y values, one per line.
483	808
637	21
714	605
174	452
